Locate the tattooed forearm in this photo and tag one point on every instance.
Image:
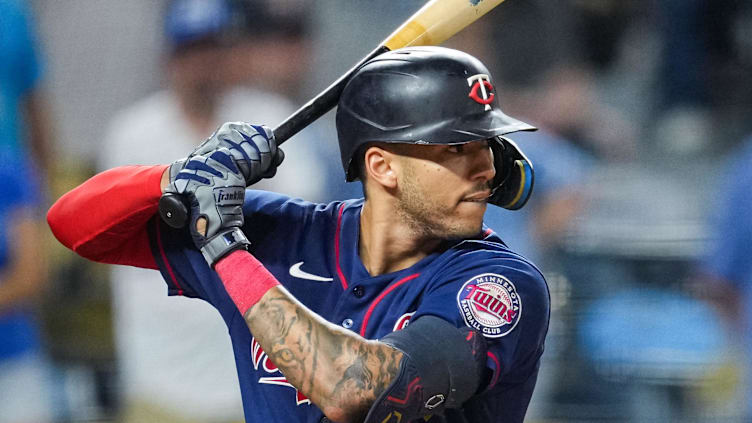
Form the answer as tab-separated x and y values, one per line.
338	370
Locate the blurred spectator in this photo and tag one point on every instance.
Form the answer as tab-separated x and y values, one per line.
276	31
728	266
600	25
23	120
183	370
683	75
25	374
537	230
567	103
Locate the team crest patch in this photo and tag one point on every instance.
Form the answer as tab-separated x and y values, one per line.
490	304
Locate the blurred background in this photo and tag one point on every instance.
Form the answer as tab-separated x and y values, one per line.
640	219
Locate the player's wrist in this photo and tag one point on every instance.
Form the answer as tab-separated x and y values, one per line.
165	180
170	173
223	244
246	280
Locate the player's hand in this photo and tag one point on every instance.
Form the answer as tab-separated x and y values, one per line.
215	190
253	148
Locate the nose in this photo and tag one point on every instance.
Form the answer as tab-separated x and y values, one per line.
483	163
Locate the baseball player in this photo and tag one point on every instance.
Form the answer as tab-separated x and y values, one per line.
397	307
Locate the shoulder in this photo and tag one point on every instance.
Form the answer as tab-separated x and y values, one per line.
491	260
276	219
495	289
490	254
260	203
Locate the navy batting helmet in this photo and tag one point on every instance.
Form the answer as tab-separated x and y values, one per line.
432	95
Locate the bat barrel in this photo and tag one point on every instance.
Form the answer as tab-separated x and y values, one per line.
437	21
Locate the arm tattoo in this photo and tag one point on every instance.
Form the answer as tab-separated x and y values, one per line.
337	369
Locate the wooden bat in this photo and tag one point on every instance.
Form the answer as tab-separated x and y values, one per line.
434	23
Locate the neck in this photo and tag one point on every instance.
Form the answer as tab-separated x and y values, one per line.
387	244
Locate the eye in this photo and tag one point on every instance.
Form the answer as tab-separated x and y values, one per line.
457	148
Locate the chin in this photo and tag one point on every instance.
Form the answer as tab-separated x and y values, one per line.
464	229
472	212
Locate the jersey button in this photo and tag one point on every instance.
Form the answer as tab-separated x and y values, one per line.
347	323
358	291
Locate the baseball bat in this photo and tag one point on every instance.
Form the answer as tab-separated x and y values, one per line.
434	23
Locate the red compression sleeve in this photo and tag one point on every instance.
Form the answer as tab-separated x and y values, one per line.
104	219
245	279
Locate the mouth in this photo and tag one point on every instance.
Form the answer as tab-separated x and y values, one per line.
478	197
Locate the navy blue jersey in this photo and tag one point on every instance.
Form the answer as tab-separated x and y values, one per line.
312	249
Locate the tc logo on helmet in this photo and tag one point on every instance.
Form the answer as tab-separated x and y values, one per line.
480	82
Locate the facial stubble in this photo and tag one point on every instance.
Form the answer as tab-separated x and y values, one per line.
426	216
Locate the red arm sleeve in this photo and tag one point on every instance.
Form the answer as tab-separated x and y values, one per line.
104	219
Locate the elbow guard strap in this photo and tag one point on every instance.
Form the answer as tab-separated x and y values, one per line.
443	366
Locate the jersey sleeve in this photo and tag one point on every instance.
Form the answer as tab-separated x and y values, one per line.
505	298
104	219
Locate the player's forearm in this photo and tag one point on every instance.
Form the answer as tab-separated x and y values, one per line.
338	370
341	372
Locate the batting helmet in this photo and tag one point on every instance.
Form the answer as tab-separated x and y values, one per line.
432	95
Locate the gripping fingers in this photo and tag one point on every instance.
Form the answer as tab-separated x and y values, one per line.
202	170
258	147
251	146
215	189
277	161
225	136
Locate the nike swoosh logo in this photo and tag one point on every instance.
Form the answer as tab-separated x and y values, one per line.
296	272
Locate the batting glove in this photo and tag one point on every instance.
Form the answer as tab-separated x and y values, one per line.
215	189
253	148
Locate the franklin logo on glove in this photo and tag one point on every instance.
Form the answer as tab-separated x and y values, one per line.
229	196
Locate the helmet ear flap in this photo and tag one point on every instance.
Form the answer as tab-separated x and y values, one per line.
513	183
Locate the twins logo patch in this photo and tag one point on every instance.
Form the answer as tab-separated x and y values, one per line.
490	304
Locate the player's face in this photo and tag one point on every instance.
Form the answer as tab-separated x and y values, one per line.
443	189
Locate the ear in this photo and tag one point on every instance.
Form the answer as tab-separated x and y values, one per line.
379	165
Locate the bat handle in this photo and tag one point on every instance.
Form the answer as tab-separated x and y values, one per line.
173	210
